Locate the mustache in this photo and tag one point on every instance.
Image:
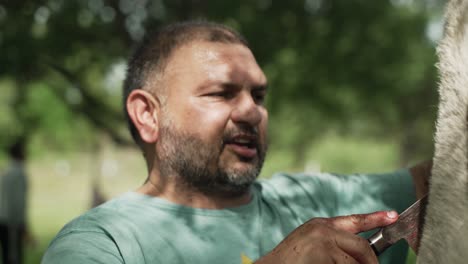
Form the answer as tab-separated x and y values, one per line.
244	131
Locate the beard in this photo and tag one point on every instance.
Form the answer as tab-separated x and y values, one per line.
199	166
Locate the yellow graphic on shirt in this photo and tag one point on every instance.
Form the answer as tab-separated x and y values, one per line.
245	259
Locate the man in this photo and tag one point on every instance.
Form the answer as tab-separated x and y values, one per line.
13	187
194	96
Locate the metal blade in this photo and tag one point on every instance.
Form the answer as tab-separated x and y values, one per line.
408	226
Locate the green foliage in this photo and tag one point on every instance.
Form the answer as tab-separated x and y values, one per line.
353	155
345	60
7	117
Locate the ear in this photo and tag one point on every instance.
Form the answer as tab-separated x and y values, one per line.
143	108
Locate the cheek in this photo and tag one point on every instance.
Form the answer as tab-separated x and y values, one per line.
209	121
264	123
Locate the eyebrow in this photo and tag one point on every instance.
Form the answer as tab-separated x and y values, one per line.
260	87
230	85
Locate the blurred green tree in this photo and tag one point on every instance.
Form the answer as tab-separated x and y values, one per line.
362	67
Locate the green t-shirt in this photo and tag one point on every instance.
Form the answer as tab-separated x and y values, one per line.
136	228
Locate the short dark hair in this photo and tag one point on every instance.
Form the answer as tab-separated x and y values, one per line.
151	56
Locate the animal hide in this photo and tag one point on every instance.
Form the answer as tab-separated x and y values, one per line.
445	234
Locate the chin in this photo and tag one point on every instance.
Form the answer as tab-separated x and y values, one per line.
230	183
234	190
239	182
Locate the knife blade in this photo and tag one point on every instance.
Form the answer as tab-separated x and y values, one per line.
408	227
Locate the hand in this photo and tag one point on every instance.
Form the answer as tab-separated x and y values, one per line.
330	240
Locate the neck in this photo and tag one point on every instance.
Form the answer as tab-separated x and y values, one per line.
171	189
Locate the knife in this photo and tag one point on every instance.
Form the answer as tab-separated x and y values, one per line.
408	227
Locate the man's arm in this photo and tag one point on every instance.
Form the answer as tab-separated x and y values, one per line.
330	240
421	174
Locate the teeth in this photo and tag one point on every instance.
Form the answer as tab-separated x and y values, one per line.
243	141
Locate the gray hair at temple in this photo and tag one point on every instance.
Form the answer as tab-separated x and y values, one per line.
151	56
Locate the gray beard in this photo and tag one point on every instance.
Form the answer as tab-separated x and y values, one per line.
198	165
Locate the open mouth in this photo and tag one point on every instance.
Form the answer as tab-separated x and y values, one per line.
244	145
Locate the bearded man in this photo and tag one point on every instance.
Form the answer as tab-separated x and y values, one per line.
194	97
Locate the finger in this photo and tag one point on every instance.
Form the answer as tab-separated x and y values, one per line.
363	222
355	246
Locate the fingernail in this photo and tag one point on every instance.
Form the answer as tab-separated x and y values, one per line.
392	214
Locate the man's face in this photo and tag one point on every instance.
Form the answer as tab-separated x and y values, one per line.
213	126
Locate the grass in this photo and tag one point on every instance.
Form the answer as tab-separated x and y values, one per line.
60	188
60	184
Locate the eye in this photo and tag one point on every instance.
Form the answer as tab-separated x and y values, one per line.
259	96
222	94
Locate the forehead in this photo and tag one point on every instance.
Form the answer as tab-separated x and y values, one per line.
205	61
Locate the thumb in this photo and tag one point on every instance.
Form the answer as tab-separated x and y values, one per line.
364	222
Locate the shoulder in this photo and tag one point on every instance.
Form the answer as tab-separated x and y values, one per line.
116	212
89	238
83	240
82	246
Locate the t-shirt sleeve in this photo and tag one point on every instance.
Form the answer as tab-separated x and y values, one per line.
300	197
328	195
82	247
364	193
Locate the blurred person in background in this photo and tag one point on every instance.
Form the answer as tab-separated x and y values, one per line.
13	194
194	97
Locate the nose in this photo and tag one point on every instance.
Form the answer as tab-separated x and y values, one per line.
247	110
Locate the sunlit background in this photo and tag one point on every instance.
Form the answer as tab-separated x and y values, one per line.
353	88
